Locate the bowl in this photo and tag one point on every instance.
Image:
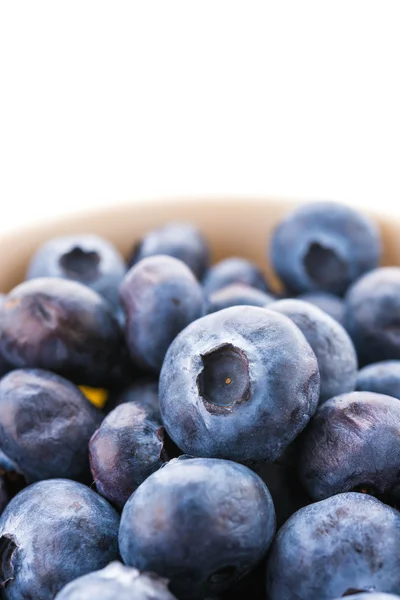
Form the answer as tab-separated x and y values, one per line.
233	226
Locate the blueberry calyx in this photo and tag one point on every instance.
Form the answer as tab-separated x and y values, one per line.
80	264
324	266
7	549
224	379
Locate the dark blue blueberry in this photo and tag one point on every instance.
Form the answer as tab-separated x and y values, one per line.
179	240
61	326
117	582
125	450
51	533
236	294
372	315
352	444
45	426
324	246
240	383
201	523
4	494
382	378
336	356
329	303
234	270
143	392
89	259
346	544
160	296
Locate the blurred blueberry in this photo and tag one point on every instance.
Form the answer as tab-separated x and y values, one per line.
336	356
143	392
160	296
45	425
51	533
324	246
329	303
117	582
86	258
372	315
234	270
352	444
240	383
4	495
179	240
371	596
382	378
346	544
236	294
61	326
125	450
202	523
5	366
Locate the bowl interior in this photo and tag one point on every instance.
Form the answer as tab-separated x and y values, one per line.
234	227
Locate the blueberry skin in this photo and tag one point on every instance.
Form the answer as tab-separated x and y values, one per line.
371	596
324	246
88	259
125	450
382	378
234	270
236	294
202	523
347	543
352	443
178	239
336	356
372	309
143	392
51	533
45	425
60	326
5	366
117	582
329	303
160	296
240	384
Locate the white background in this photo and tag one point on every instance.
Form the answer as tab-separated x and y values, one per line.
101	102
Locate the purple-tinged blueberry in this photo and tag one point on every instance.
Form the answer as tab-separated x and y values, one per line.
236	294
160	297
381	378
234	270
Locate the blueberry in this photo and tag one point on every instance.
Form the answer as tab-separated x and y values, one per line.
202	523
45	425
5	366
382	378
51	533
89	259
236	294
144	393
346	544
179	240
324	246
4	495
352	443
125	450
160	296
234	270
336	356
329	303
61	326
116	582
372	315
240	383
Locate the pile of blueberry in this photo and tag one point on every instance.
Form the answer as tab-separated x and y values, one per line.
175	430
